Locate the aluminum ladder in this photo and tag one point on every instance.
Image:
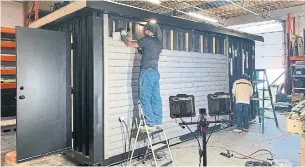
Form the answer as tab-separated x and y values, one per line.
153	148
263	81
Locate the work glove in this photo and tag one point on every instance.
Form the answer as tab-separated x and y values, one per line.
123	32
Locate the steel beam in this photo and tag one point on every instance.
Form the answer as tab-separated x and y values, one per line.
166	20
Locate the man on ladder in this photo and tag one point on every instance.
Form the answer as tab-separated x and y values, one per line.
242	91
149	91
149	87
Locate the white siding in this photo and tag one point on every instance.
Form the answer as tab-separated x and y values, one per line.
181	73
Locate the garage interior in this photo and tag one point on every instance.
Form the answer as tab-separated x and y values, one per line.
69	85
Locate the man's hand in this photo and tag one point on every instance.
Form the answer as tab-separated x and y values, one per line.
127	42
123	33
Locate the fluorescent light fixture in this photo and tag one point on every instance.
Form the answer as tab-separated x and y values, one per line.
154	1
199	16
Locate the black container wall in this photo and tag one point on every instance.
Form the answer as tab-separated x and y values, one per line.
87	86
241	60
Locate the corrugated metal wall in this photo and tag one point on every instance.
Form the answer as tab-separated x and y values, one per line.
198	74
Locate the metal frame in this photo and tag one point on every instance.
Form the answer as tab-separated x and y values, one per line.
88	113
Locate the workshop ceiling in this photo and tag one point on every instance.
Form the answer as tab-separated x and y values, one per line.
220	10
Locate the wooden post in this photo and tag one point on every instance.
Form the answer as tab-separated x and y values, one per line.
214	46
172	39
288	24
130	33
187	41
201	43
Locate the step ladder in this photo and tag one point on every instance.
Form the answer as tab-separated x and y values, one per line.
153	148
260	79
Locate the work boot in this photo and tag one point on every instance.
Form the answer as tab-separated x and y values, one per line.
159	126
237	130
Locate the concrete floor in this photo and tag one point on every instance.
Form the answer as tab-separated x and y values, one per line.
282	145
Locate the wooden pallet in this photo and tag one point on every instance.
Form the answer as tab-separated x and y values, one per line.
8	124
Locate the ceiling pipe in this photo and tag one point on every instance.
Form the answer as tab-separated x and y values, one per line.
243	7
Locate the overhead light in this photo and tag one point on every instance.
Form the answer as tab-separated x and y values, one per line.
153	21
202	17
154	1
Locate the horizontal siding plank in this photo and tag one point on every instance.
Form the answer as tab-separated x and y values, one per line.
134	89
167	69
117	98
164	58
132	76
124	83
137	63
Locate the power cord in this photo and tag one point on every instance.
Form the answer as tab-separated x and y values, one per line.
122	121
212	131
243	156
199	145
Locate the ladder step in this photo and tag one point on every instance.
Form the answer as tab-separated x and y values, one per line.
155	132
260	99
165	162
258	70
263	89
158	147
258	81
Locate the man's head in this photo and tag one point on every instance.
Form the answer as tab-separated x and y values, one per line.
151	29
245	76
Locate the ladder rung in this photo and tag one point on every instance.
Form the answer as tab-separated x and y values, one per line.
258	81
156	131
299	88
298	65
164	162
257	99
263	89
298	76
158	147
258	70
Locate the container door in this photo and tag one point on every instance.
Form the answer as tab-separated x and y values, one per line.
43	92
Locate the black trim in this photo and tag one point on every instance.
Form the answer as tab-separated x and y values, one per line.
142	15
167	20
